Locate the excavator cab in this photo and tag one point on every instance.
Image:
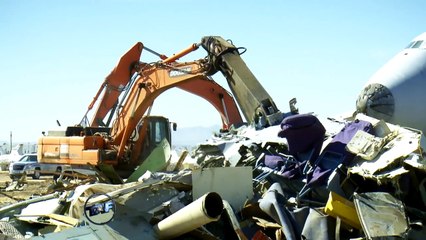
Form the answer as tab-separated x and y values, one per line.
157	129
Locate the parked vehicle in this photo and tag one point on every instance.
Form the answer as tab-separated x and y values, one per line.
29	165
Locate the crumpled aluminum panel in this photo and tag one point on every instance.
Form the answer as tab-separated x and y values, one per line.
381	215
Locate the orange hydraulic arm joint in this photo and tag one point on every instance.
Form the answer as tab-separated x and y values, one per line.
115	83
254	101
120	77
182	53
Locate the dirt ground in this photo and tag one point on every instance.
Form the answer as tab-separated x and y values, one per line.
32	188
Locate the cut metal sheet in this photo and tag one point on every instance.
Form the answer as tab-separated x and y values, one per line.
234	184
234	221
402	145
119	192
416	161
231	153
156	161
318	226
365	145
272	203
40	208
381	215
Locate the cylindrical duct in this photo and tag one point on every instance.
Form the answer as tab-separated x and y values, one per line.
205	209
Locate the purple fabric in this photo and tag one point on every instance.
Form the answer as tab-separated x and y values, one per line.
339	142
286	168
274	162
303	132
335	153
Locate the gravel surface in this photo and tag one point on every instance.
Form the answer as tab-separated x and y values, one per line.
31	188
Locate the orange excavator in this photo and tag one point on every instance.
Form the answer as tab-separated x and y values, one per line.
122	133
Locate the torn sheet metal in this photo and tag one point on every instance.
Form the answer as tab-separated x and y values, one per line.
405	143
157	160
392	175
224	153
234	221
381	215
416	161
53	222
225	181
319	226
130	222
209	155
273	203
365	145
25	203
137	203
224	149
230	151
32	212
387	130
120	193
183	176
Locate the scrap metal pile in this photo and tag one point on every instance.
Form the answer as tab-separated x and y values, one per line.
303	179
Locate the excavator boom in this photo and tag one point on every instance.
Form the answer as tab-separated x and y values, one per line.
115	84
254	101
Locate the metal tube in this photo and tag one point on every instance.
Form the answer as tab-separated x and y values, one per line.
162	56
184	52
204	210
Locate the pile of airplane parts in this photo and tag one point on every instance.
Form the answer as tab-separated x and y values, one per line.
306	178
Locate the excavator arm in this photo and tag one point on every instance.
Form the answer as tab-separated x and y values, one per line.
254	101
115	83
153	80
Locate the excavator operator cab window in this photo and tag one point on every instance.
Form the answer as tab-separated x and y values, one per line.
159	129
160	132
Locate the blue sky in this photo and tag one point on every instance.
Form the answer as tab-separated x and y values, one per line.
54	55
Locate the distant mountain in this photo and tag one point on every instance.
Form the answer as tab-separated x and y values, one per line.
192	136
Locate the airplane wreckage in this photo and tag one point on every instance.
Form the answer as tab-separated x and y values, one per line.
277	176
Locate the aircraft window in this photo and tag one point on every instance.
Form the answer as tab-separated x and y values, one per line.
410	44
417	44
